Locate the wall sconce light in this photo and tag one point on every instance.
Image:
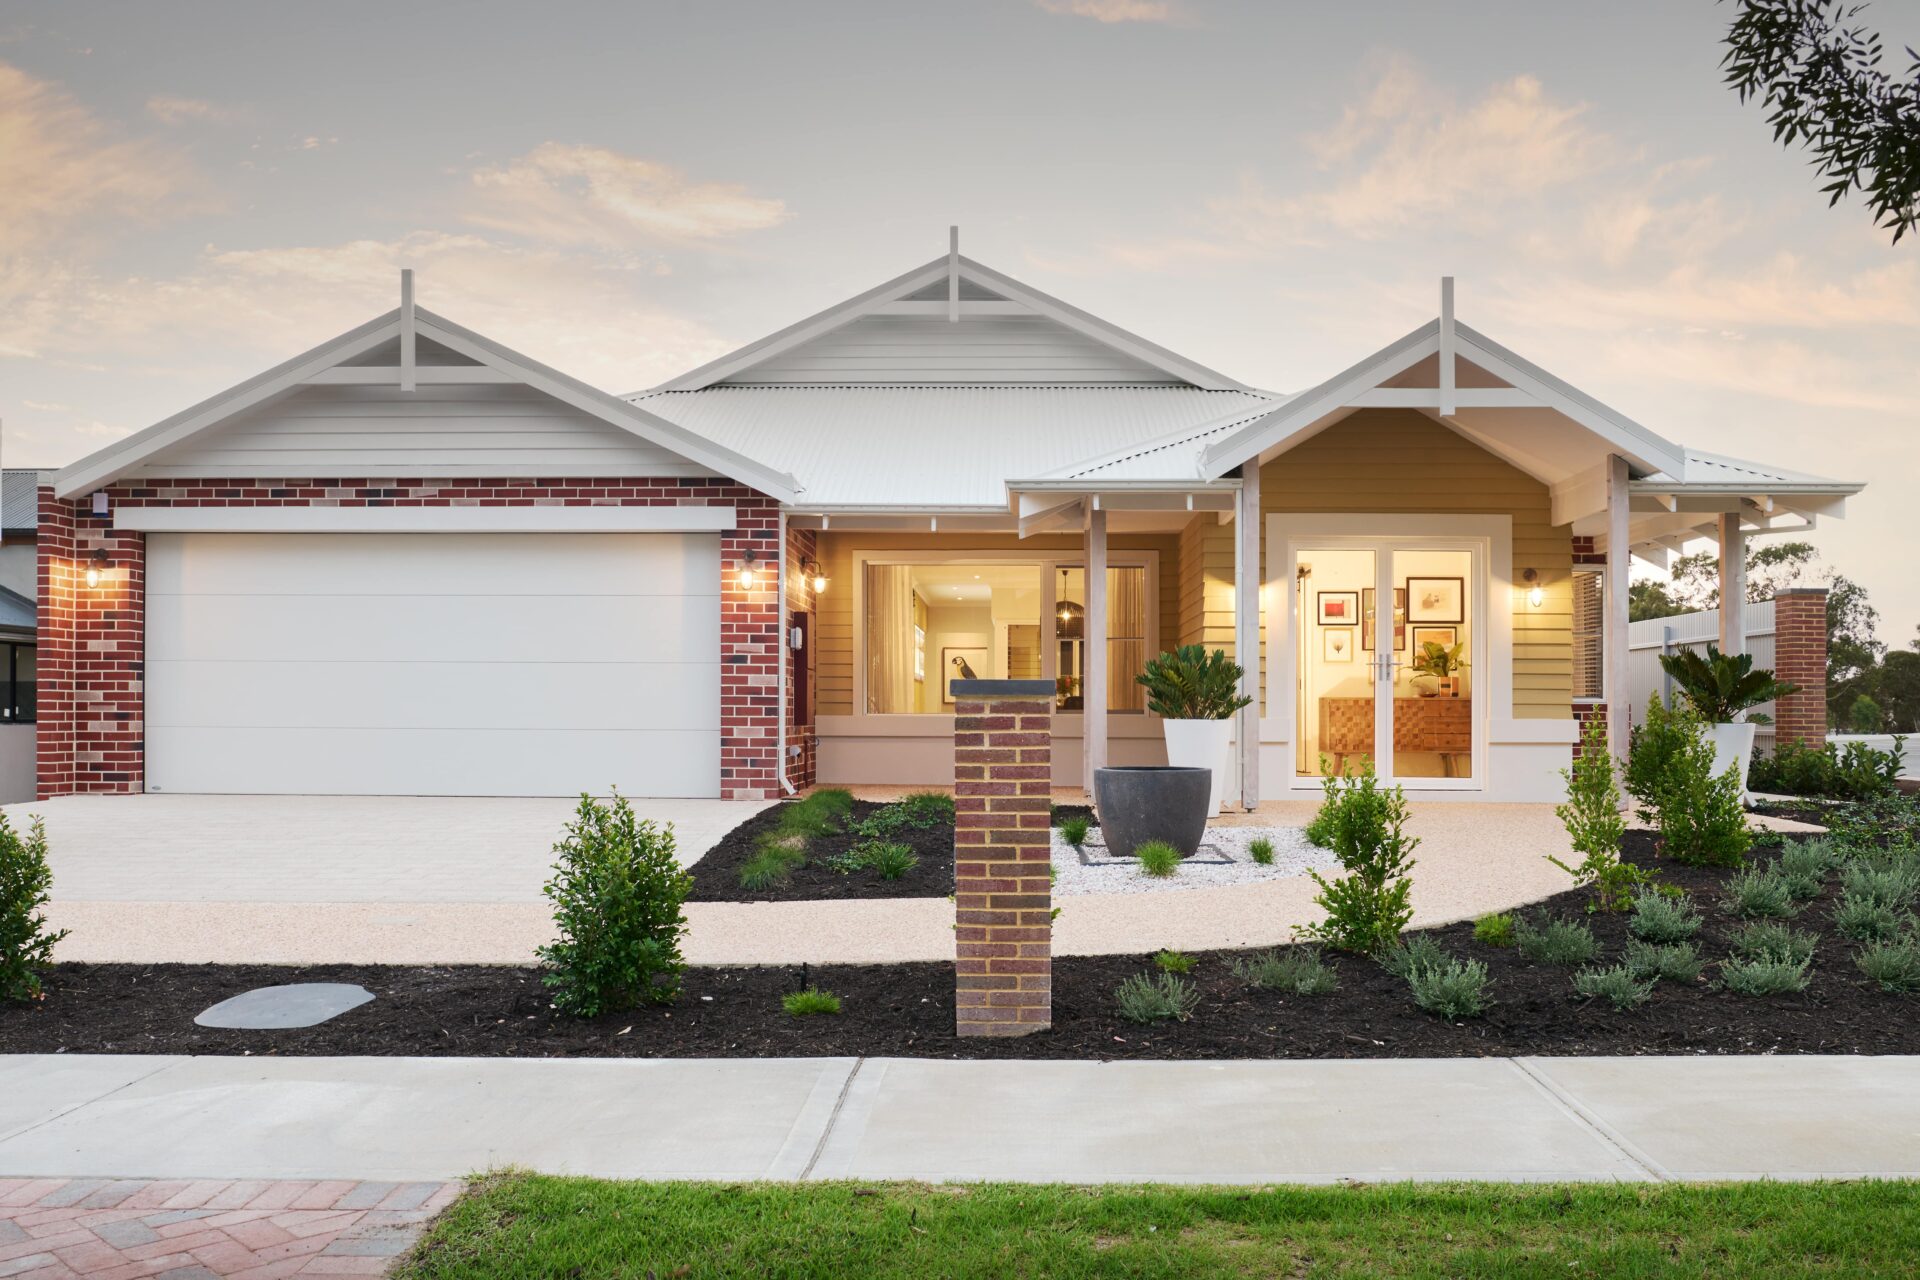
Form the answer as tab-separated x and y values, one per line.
815	575
747	575
97	565
1536	595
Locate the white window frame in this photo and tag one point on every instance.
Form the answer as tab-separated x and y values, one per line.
1050	565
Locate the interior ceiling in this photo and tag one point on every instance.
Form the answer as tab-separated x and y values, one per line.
975	583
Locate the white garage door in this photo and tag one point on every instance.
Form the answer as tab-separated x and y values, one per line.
433	664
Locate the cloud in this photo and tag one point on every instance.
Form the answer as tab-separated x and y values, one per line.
169	109
61	172
1115	10
572	194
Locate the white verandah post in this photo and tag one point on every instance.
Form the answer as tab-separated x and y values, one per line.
1246	639
1733	584
1618	689
1093	664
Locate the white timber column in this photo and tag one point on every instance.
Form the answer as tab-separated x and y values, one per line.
1246	634
1618	690
1093	688
1733	584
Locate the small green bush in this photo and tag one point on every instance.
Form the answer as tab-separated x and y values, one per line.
810	1002
1860	772
1075	830
1893	963
891	860
1890	881
1700	817
1652	744
1804	865
1760	894
1260	850
1765	977
1417	952
1173	962
1567	942
1454	990
919	811
1370	904
26	944
1864	919
617	891
775	857
1660	917
1188	683
1669	962
1156	998
1618	986
1595	825
1771	940
1157	858
1495	929
1297	971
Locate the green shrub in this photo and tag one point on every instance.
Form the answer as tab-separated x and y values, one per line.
1369	905
1617	986
26	944
1771	940
1700	817
1866	920
1157	858
1766	976
616	892
810	1002
919	811
1494	929
1595	825
1260	850
1760	894
1420	951
1297	971
1890	881
1454	990
1804	865
1860	771
1893	963
1075	830
1173	962
1719	686
1660	917
1568	942
1669	962
1156	998
1652	745
1191	684
890	860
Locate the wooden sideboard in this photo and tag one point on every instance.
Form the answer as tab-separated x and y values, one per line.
1438	726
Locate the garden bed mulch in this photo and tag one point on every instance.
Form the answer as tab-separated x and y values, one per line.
906	1010
716	876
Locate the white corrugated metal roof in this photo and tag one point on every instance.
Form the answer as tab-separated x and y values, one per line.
1718	469
938	446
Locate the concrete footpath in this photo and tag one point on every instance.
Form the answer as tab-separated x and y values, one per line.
422	1119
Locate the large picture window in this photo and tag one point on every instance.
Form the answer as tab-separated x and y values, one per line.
927	624
1589	628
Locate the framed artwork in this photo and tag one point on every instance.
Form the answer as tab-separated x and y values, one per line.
1337	646
1446	637
1339	608
1436	599
1367	619
962	662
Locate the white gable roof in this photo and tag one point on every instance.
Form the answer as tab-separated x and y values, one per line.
455	357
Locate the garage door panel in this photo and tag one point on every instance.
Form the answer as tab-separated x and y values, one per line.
433	762
410	695
433	629
555	564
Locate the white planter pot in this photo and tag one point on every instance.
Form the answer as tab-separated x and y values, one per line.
1202	744
1732	749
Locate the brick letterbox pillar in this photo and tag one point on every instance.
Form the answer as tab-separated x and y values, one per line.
1800	657
1003	895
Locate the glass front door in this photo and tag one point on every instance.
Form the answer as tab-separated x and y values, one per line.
1384	641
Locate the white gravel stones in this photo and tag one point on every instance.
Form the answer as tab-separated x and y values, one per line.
1292	856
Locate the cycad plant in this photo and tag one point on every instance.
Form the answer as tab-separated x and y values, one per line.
1192	684
1722	685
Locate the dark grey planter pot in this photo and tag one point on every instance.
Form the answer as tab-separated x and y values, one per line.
1139	803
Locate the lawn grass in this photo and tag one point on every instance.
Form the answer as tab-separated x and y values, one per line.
526	1226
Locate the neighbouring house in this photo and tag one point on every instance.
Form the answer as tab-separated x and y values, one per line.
413	561
19	587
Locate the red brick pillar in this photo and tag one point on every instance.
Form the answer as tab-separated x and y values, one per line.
1800	657
1003	894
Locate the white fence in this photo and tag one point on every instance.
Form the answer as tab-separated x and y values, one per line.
16	762
1646	641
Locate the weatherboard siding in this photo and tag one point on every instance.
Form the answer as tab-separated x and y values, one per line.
933	349
451	430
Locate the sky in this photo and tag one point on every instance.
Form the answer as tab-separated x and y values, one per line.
193	192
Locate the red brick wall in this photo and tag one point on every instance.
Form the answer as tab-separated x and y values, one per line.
92	640
1800	657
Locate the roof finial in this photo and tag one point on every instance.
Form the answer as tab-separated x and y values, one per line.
953	273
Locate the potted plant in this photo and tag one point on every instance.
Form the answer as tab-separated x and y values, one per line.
1723	688
1195	694
1441	661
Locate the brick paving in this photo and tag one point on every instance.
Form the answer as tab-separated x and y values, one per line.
124	1229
